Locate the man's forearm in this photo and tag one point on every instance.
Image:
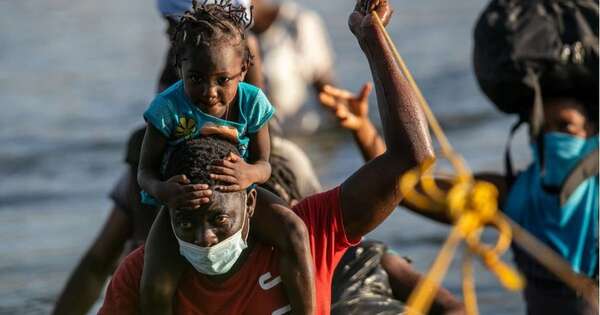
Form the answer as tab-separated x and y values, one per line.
372	193
150	182
369	141
404	126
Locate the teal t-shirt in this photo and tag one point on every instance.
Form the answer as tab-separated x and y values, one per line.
571	230
178	119
174	115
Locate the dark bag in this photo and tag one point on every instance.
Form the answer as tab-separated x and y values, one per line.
526	49
360	284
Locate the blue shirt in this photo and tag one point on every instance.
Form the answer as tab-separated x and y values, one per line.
174	115
571	230
173	7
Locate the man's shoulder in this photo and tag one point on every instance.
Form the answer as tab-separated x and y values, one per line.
122	294
136	255
130	268
329	199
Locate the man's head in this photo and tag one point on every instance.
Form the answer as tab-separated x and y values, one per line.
570	116
226	213
569	134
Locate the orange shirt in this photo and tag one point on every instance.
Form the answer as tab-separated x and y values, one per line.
256	287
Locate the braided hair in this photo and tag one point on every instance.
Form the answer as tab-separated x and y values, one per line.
206	24
283	181
191	158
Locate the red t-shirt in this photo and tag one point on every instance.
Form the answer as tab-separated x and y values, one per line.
256	287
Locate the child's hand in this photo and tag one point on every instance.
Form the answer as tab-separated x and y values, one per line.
178	193
351	110
360	19
232	170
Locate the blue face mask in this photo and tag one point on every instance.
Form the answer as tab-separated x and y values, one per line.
561	154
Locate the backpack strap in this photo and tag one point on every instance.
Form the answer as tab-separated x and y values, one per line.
536	113
508	165
585	169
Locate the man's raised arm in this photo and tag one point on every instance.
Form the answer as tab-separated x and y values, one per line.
372	193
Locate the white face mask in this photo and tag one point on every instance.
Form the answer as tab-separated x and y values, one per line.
217	259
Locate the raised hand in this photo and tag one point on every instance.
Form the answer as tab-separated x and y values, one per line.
178	193
351	110
360	19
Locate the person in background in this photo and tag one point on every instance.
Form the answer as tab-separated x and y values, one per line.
297	58
125	229
570	135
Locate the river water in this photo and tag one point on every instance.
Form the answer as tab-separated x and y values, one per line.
76	75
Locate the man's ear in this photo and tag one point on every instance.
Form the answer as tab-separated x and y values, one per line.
591	128
251	202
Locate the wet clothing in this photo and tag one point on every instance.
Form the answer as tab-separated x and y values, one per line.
255	288
570	230
361	285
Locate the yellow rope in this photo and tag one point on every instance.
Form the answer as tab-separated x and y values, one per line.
472	205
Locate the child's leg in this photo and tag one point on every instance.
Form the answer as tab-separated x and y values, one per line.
163	267
277	225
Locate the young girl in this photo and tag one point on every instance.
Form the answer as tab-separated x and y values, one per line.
212	58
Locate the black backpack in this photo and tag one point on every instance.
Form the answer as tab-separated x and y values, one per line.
525	50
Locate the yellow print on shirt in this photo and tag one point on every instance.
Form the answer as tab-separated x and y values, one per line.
185	128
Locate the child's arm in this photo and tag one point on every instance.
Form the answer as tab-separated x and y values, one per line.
282	228
163	265
241	174
177	192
